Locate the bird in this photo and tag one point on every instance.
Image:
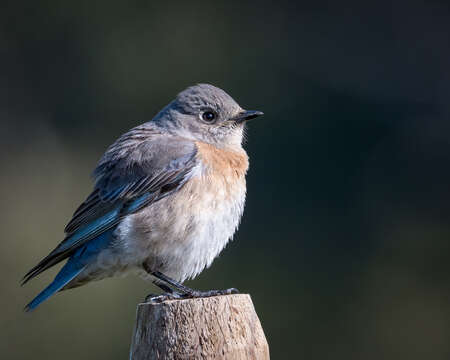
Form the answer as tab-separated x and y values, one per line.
168	196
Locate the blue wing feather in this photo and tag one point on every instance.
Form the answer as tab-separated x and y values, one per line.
126	181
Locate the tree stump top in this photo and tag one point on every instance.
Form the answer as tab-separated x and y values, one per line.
218	327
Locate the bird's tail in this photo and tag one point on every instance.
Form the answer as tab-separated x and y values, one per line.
74	266
66	274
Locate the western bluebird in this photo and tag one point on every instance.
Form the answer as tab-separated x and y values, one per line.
168	196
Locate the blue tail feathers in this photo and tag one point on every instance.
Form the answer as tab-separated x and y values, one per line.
74	266
67	273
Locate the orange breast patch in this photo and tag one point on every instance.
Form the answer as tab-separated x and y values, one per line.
227	163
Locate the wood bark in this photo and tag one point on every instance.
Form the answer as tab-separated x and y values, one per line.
218	327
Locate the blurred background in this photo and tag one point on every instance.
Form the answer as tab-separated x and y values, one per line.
344	245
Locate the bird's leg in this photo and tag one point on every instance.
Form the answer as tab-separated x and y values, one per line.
169	293
176	290
188	292
163	287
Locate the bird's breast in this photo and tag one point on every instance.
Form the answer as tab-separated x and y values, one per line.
213	202
218	185
231	165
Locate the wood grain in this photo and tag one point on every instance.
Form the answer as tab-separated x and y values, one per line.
219	327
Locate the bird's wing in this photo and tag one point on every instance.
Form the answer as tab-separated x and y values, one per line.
140	168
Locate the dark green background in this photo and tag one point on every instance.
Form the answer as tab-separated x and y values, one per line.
344	245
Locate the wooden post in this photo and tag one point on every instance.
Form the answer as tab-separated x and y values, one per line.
218	327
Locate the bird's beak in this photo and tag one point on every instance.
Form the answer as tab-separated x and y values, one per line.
246	115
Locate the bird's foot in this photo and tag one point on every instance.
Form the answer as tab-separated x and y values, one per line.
209	293
156	299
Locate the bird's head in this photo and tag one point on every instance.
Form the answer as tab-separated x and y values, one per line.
206	113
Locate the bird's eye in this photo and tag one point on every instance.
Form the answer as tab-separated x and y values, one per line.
209	116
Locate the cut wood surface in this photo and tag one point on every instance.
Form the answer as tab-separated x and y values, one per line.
218	327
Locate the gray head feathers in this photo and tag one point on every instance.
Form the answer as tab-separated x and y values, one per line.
204	96
205	113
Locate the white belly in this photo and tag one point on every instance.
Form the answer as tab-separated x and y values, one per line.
181	234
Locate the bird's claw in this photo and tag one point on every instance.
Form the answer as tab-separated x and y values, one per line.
156	299
209	293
